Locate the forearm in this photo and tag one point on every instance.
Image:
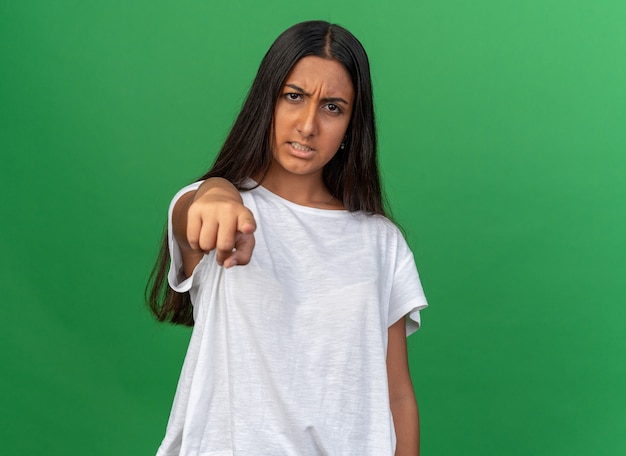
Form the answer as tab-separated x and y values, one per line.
401	394
406	419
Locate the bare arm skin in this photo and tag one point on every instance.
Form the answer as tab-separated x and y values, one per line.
213	217
401	393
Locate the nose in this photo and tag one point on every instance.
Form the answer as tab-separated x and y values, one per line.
307	120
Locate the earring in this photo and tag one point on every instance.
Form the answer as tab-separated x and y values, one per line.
342	146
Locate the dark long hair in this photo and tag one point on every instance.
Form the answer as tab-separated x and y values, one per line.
351	175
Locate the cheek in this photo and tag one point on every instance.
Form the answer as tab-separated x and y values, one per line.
276	125
338	132
278	121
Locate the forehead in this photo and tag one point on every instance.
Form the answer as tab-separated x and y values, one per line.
315	74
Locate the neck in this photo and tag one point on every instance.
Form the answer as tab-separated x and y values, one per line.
306	190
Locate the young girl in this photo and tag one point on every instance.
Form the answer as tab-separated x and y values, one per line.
301	293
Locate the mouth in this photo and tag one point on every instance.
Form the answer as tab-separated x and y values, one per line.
301	147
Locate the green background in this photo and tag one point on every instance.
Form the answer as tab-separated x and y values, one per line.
503	150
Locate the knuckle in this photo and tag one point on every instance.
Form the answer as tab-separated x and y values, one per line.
192	238
193	211
206	244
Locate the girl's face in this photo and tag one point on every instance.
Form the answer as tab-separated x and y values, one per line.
311	116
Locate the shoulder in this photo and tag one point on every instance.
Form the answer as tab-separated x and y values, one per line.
383	236
381	224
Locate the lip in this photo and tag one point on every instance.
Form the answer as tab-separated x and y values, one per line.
299	152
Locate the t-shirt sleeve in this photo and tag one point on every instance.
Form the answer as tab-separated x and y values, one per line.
407	294
176	275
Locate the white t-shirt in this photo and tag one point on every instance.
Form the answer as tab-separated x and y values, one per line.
288	353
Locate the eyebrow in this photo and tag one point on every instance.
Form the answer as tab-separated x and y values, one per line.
327	100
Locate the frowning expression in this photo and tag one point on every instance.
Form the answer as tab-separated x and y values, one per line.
311	116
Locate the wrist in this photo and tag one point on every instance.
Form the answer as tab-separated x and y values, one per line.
218	187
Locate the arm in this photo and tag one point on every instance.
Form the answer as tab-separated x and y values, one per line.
401	393
213	217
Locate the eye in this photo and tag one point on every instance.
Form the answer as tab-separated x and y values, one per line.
292	96
333	108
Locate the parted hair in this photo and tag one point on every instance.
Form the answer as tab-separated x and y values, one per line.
352	175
